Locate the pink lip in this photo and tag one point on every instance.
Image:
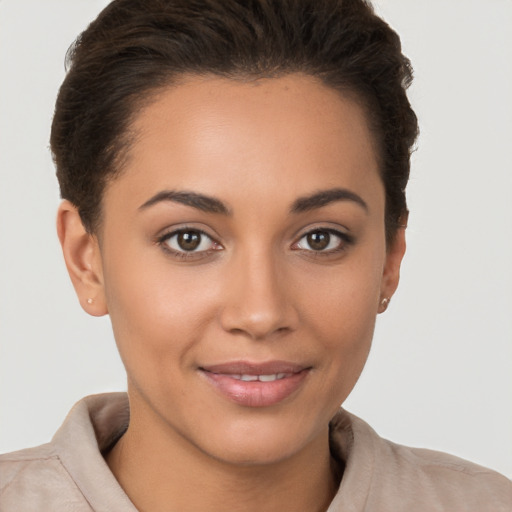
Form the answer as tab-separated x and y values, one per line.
255	393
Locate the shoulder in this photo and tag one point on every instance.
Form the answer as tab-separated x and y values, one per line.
449	481
392	477
35	479
69	473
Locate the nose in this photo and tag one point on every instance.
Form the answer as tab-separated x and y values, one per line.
258	300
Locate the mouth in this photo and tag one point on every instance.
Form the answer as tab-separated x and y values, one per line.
256	384
261	378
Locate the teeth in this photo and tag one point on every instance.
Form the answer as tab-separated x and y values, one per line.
249	378
261	378
267	378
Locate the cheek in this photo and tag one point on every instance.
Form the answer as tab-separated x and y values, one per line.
340	308
157	312
344	329
344	299
344	325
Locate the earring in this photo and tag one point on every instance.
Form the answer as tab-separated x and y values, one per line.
384	303
90	301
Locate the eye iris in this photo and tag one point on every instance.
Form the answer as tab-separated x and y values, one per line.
189	240
319	240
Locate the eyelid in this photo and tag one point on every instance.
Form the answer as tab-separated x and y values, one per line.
337	229
347	239
170	232
192	226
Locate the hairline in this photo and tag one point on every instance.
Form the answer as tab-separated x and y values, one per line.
145	98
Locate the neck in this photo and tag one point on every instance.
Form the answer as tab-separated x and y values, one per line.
161	471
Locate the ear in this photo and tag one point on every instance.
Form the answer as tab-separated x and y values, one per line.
83	259
391	274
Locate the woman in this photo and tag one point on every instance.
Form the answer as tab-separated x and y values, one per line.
233	180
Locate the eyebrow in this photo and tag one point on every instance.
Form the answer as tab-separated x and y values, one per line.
211	204
201	202
325	197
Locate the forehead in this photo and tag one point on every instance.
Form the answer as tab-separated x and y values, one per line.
222	136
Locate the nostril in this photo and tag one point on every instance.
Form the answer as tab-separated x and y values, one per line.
258	333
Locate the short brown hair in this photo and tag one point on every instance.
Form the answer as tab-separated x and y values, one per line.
136	47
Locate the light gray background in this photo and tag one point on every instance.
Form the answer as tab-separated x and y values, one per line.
440	375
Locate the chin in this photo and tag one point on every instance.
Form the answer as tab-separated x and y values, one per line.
261	452
258	441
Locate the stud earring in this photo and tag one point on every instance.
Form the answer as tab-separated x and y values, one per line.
384	303
90	301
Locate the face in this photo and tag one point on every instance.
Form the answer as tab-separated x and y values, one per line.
243	261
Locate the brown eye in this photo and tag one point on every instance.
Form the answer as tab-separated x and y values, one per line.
318	240
189	241
326	241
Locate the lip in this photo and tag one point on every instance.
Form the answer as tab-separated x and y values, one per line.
225	378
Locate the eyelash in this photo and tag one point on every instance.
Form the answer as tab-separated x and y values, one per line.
346	240
163	240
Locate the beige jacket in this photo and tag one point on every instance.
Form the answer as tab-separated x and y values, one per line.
69	474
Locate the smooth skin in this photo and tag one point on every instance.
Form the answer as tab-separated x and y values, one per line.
269	270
